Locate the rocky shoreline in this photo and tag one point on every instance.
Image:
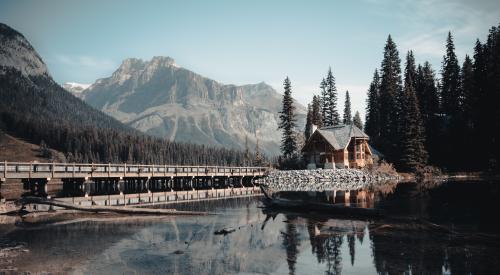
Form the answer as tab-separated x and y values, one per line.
324	179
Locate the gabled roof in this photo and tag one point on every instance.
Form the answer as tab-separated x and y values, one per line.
339	136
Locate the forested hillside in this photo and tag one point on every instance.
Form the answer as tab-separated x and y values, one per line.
35	108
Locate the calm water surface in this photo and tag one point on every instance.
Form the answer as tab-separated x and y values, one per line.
451	228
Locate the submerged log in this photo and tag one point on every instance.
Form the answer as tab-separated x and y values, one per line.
114	209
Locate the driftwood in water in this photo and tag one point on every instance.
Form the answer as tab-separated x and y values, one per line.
225	231
114	209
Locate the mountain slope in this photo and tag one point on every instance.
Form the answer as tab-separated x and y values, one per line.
162	99
35	108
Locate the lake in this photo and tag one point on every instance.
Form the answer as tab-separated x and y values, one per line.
429	228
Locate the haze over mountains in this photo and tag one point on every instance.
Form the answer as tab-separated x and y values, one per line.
34	108
160	98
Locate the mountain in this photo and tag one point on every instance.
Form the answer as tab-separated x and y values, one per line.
75	88
17	53
34	108
160	98
28	90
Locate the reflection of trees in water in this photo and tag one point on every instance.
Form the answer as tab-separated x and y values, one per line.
351	240
326	238
425	252
384	188
291	243
398	253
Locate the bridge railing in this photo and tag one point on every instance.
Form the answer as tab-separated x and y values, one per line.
67	170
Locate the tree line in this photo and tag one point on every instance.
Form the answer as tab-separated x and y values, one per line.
415	118
38	110
450	121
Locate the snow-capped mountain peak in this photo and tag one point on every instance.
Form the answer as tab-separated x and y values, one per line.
76	88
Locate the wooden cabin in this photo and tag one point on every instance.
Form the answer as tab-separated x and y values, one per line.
342	146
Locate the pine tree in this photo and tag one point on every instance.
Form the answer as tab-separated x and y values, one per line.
44	150
331	116
324	103
309	122
490	105
450	80
372	119
347	109
390	101
288	122
316	112
357	121
413	153
481	113
451	105
410	68
428	99
467	95
465	122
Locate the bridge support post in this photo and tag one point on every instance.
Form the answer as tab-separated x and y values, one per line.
87	188
121	186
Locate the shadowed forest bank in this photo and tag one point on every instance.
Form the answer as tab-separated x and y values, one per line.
416	117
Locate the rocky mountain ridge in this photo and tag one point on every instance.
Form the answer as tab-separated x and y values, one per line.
160	98
17	53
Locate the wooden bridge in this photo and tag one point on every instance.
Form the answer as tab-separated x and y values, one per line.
99	179
34	170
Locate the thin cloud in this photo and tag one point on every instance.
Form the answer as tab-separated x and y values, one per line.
85	61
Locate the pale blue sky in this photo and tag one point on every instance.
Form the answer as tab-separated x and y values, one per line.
248	41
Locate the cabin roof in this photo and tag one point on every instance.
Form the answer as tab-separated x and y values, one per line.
339	136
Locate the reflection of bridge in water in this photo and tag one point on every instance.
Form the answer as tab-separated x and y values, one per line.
88	180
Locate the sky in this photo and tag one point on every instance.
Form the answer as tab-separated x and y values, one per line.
242	42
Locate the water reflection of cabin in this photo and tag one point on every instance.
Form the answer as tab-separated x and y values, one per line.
345	145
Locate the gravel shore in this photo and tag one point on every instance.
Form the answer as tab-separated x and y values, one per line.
323	179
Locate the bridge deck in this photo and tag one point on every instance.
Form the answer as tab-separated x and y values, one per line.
31	170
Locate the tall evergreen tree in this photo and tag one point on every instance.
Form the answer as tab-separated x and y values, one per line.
451	105
482	103
413	153
450	80
316	112
357	121
347	109
324	103
331	117
467	97
288	122
463	128
490	107
372	119
428	99
309	122
411	69
390	103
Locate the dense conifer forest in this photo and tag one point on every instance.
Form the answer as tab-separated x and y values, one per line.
40	111
450	119
417	117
